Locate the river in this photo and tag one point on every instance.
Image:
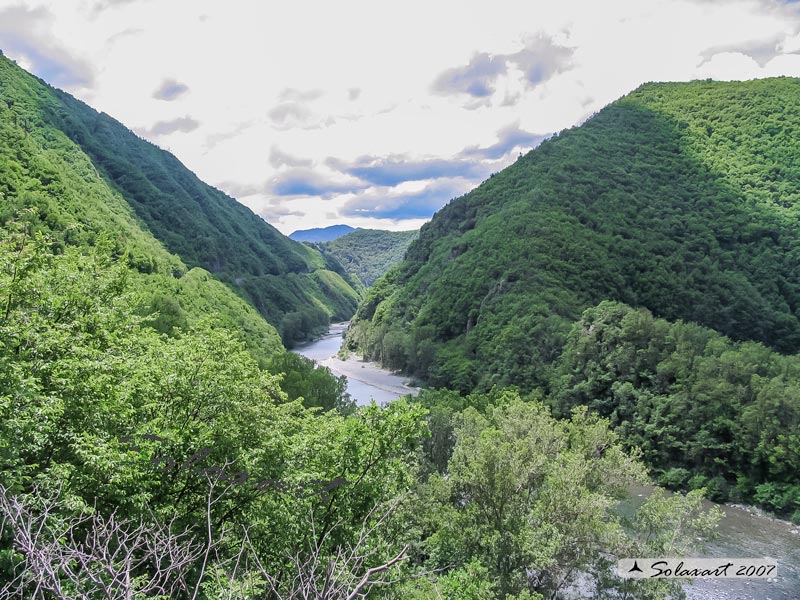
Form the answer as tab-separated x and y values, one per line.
366	380
743	532
746	532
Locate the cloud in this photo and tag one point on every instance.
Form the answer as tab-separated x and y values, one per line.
294	182
398	168
761	51
729	66
181	124
129	32
170	89
215	138
278	158
293	95
473	163
103	4
387	204
393	186
353	93
304	182
289	111
276	212
539	60
294	112
26	36
476	78
239	190
790	44
508	138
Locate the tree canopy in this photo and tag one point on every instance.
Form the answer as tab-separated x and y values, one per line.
681	199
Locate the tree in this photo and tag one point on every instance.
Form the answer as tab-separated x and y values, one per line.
535	501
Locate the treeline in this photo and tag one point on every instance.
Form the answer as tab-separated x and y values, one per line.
705	411
94	403
368	254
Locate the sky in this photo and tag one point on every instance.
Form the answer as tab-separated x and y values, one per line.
376	114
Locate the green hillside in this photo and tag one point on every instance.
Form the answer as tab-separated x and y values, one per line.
682	199
368	253
157	441
81	167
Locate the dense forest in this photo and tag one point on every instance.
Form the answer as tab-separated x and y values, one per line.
141	464
681	199
82	167
368	254
156	440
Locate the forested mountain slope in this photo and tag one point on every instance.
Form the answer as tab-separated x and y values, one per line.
681	198
61	148
368	253
153	442
679	201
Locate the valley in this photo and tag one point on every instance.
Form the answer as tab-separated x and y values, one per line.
366	381
485	369
743	530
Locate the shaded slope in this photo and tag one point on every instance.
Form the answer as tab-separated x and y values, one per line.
369	253
682	198
198	223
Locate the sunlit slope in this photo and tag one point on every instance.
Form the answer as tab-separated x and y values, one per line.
93	171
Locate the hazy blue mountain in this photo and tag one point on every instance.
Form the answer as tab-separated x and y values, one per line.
321	234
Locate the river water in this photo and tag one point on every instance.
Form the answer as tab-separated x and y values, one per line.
743	532
366	380
746	532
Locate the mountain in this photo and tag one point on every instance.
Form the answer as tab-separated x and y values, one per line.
120	181
321	234
368	253
681	198
645	263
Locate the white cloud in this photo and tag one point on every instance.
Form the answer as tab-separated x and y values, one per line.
263	95
790	44
727	66
26	35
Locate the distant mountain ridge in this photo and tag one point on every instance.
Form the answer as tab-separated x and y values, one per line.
321	234
292	286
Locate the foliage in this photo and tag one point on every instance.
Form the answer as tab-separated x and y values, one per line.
153	433
87	174
110	416
315	385
678	198
532	504
368	253
704	410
